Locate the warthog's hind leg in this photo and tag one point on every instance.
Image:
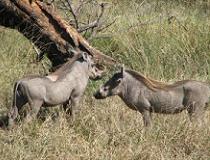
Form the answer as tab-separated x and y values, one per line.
12	115
196	112
15	109
34	108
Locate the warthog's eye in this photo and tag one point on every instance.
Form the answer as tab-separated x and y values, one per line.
105	89
119	80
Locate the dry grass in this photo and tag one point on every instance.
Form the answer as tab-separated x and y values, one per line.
107	129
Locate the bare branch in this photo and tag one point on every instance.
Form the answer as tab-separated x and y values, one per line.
102	11
95	23
79	7
71	10
50	2
100	29
106	26
38	53
93	27
87	27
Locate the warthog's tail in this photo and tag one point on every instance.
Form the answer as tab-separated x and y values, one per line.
208	103
15	93
13	113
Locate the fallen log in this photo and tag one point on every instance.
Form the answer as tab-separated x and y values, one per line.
48	31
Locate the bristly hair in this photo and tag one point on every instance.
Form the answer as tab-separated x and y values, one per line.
154	84
66	66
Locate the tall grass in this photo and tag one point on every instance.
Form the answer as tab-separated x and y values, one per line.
146	40
165	40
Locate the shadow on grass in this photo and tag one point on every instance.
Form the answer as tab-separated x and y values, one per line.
43	114
3	121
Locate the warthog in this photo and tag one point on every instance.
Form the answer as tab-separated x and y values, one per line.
146	95
64	86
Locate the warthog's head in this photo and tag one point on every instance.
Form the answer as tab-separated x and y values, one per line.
95	70
111	87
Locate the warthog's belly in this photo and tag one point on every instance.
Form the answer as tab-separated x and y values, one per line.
168	102
168	109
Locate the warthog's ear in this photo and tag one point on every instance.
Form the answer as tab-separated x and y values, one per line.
100	66
85	56
122	70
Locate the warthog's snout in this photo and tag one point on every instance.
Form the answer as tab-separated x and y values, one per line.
98	95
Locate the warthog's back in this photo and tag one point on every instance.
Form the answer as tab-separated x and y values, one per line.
52	93
178	96
197	91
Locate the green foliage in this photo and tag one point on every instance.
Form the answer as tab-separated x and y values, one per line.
145	39
166	40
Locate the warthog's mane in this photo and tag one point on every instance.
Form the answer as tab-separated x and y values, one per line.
60	72
154	84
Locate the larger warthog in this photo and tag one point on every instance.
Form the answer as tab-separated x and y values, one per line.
65	86
147	95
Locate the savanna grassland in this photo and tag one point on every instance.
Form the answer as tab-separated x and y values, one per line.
166	40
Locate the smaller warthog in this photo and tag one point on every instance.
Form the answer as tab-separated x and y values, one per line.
147	95
64	86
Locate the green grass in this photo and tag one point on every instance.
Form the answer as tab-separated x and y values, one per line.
143	39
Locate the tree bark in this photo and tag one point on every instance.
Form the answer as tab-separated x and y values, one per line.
41	24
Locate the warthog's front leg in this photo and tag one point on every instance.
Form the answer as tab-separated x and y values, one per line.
70	107
144	108
74	106
67	107
147	118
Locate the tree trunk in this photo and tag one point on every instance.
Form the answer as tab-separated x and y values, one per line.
41	24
